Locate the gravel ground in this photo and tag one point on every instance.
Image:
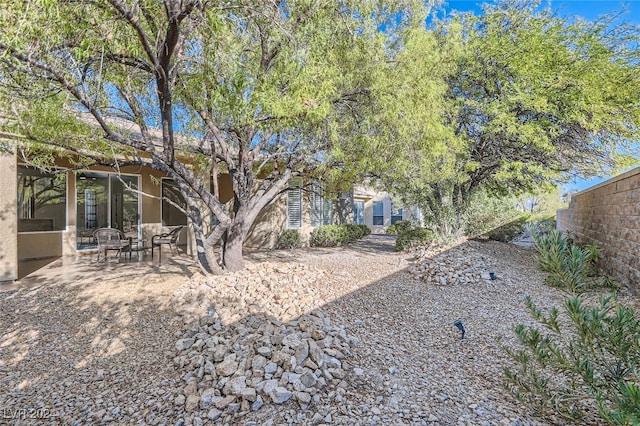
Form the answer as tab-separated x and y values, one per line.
102	353
88	352
417	370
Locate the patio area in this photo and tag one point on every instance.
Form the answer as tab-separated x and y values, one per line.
94	336
85	268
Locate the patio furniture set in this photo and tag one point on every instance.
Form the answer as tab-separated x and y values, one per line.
111	239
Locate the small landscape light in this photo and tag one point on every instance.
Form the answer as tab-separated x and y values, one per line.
458	323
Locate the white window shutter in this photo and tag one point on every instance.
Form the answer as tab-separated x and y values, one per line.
317	204
294	207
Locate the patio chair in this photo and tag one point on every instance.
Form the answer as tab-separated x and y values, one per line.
170	238
111	239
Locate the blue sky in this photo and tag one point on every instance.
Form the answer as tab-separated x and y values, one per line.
589	9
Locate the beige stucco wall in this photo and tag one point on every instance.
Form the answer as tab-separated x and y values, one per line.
272	221
39	245
369	196
609	214
268	225
8	218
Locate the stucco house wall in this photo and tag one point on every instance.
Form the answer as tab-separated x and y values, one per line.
8	218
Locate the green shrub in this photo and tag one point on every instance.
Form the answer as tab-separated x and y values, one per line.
327	236
592	364
354	232
399	227
365	230
509	231
290	238
570	267
337	235
414	237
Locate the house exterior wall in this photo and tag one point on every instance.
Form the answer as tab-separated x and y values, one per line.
371	196
8	218
609	215
38	245
272	221
269	224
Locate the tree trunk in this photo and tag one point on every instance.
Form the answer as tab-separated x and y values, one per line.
232	255
206	253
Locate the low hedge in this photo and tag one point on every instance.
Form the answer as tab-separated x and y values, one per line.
337	235
289	239
414	237
399	227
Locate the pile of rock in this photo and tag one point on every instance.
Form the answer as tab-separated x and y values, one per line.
284	291
462	264
261	341
237	369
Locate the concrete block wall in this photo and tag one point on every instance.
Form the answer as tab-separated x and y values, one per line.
609	214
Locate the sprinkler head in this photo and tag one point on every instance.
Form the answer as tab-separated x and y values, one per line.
458	323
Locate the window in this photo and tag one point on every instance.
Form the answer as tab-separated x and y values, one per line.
358	212
321	208
106	200
378	213
396	214
317	204
294	204
171	196
42	200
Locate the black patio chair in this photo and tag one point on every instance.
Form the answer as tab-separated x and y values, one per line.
170	238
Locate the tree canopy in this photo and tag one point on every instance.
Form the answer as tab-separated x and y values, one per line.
194	89
528	98
260	92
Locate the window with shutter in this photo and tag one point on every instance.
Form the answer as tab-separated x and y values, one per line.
317	202
294	204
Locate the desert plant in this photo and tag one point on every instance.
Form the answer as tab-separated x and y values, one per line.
399	227
414	237
365	230
337	235
570	267
509	231
591	364
290	238
327	236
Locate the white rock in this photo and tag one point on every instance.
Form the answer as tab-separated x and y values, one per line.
208	398
214	414
257	404
269	385
315	353
184	344
280	395
264	351
235	386
270	368
258	362
227	367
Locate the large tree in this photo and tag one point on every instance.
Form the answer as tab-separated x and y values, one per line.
530	97
249	88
